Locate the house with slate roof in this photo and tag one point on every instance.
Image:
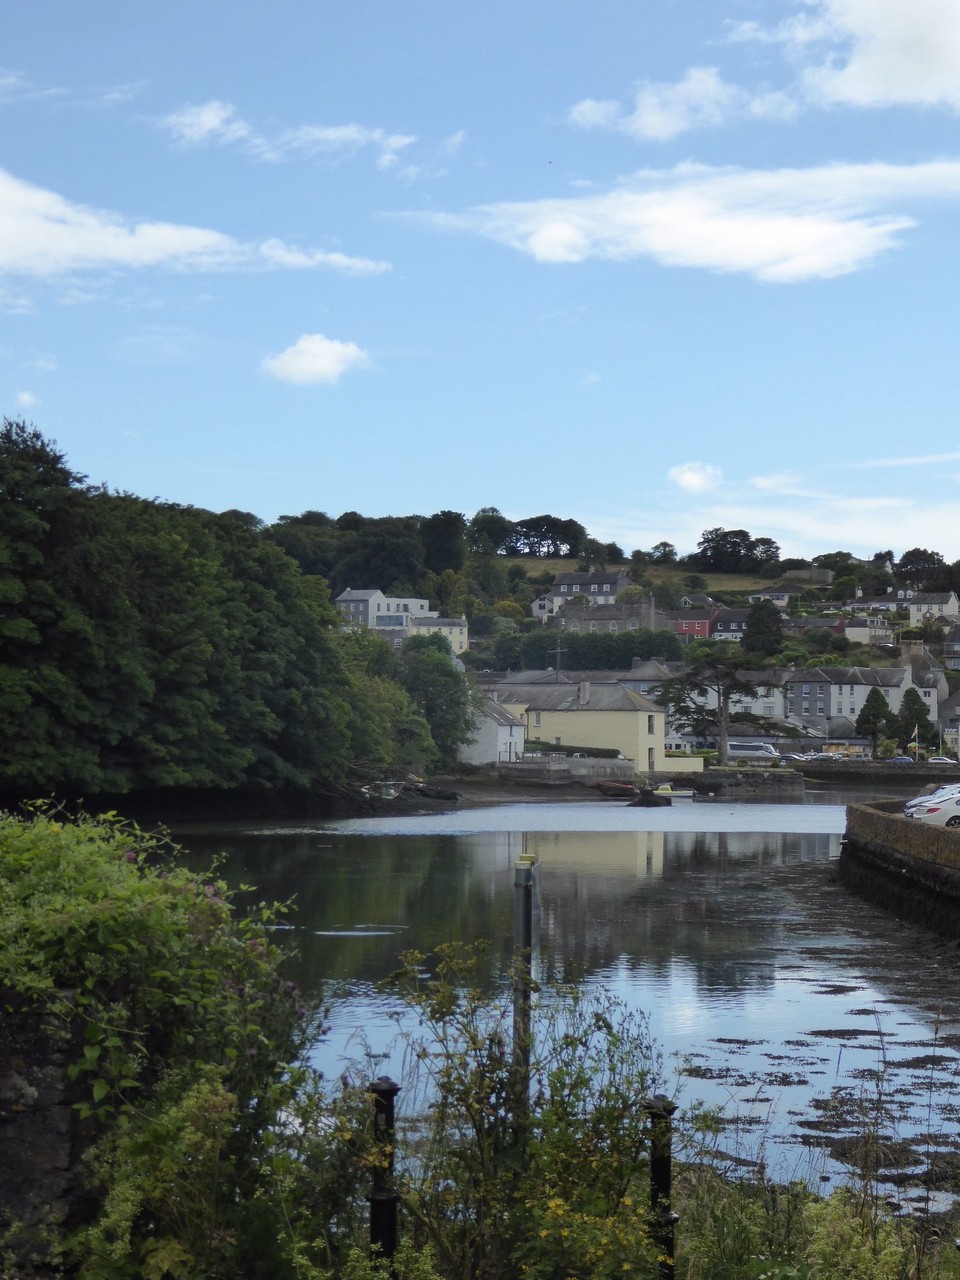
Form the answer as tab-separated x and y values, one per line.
563	711
497	736
602	586
935	606
729	624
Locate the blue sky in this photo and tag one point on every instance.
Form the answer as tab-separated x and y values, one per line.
656	265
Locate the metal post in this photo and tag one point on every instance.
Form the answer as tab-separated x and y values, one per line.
526	887
383	1201
660	1109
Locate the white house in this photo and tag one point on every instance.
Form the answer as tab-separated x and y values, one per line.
371	608
498	736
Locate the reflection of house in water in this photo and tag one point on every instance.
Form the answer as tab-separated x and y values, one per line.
633	853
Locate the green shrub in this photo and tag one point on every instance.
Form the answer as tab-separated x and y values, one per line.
210	1150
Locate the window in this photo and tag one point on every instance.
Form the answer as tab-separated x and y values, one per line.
606	587
768	708
576	588
593	586
651	721
563	589
536	719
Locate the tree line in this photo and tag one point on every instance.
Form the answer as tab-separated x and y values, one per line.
146	645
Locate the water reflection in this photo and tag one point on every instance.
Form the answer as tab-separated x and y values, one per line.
725	924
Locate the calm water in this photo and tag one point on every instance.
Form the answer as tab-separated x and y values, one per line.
722	922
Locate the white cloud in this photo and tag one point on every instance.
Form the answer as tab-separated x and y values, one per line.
26	399
917	460
894	51
277	254
695	477
870	53
778	225
662	111
16	88
42	234
450	146
208	122
780	482
218	123
315	358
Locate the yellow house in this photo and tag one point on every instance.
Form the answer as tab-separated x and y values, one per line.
591	713
453	629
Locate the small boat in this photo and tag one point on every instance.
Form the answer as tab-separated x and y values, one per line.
382	790
674	793
613	790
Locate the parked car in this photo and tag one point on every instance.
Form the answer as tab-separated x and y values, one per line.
942	760
930	797
941	812
899	760
745	752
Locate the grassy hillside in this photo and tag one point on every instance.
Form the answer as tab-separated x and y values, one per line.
535	568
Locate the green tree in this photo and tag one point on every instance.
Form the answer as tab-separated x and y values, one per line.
699	700
875	720
444	541
763	633
913	720
922	569
442	694
489	532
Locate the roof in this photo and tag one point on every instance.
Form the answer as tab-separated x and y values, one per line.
878	677
578	579
366	594
498	714
610	696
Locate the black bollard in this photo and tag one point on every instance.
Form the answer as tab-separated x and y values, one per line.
526	922
383	1201
660	1109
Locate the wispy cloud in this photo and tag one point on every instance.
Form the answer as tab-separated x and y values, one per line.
781	226
915	460
216	123
786	482
42	234
278	254
315	358
663	110
26	399
695	477
16	88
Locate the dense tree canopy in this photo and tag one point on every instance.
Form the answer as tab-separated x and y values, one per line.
735	551
763	633
145	645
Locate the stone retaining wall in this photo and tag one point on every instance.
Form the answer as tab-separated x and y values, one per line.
910	868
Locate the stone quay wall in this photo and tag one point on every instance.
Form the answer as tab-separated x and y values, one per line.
910	868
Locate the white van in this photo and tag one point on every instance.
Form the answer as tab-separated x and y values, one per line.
752	753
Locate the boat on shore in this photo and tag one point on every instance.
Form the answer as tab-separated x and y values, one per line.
674	793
